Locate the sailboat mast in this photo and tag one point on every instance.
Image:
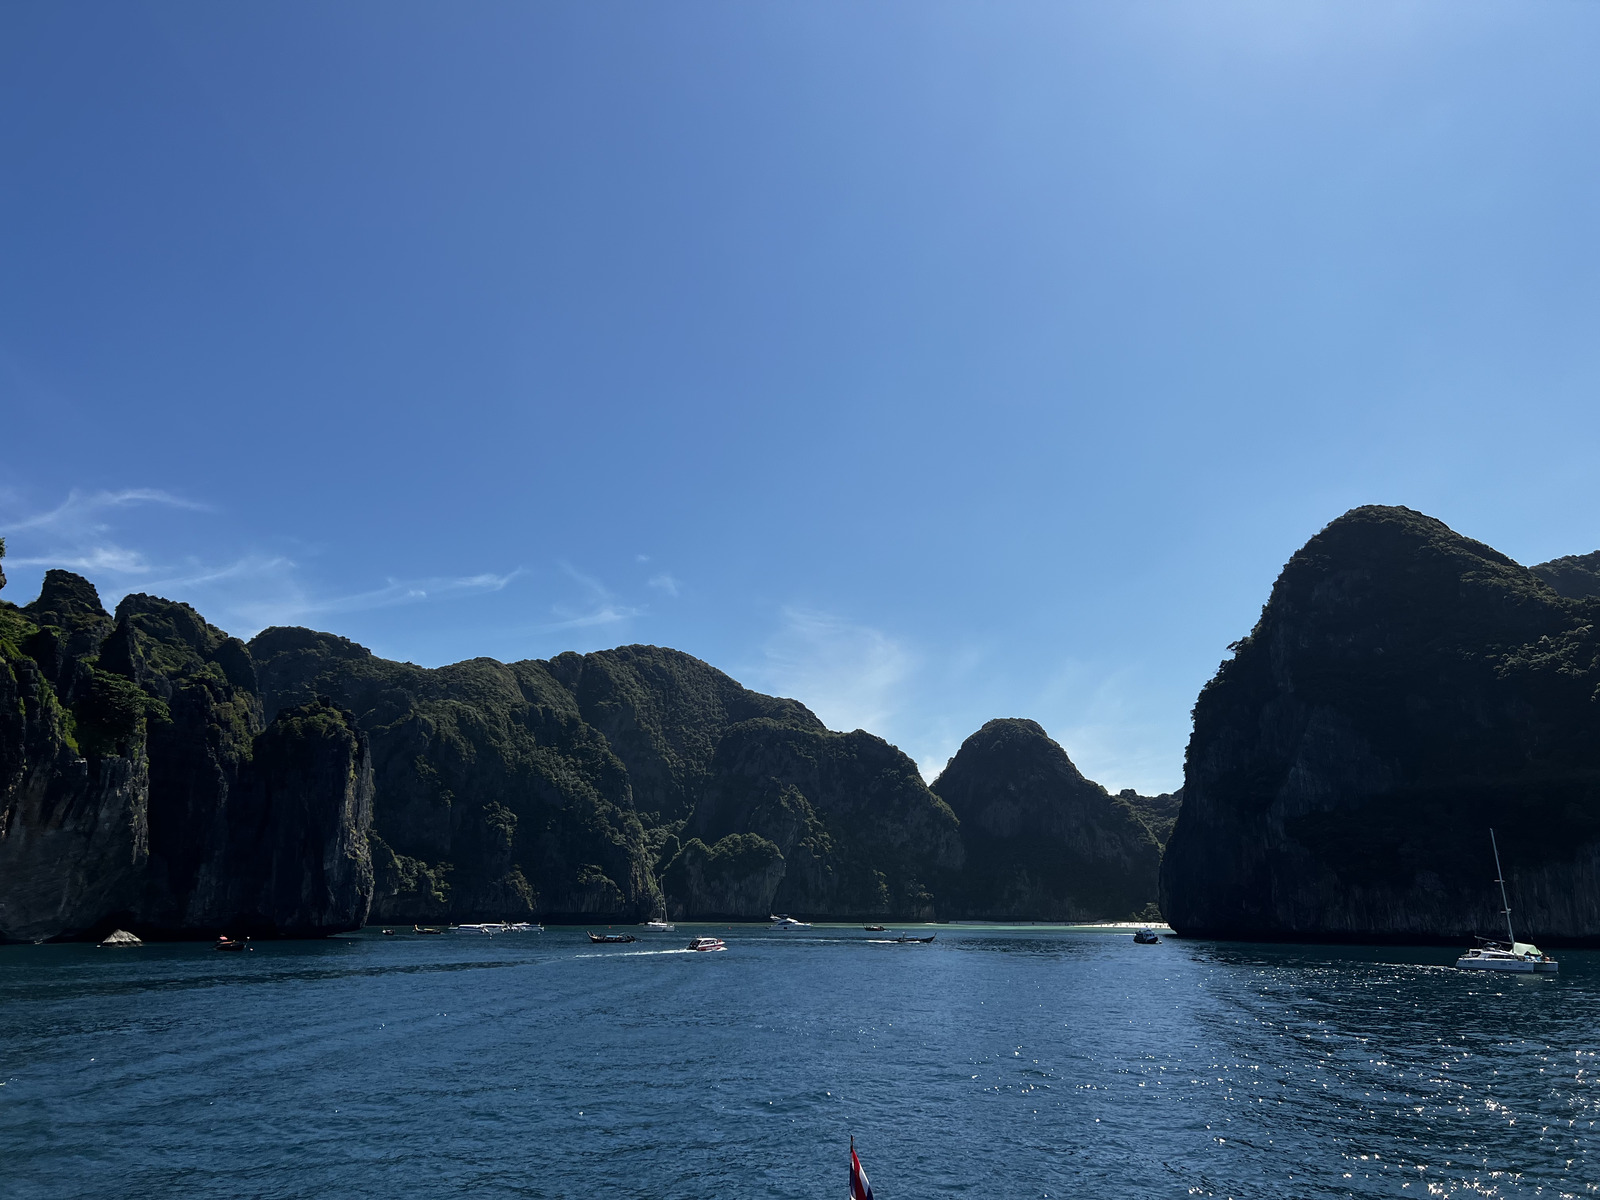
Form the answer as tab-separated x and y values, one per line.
1500	878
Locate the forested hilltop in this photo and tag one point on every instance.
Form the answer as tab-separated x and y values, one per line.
1405	690
157	774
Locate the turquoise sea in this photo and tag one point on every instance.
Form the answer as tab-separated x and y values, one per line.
994	1062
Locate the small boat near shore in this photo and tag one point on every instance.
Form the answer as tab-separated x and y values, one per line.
611	939
224	942
1523	958
782	923
659	925
425	929
707	944
490	928
873	928
1147	937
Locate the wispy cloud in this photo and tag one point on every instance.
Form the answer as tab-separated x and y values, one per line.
600	605
245	594
76	533
295	604
116	559
850	675
80	512
666	583
1105	727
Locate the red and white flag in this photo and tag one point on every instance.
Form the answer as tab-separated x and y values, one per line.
860	1189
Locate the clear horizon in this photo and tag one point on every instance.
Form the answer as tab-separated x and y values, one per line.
925	363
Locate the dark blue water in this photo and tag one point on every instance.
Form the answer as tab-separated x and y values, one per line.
991	1063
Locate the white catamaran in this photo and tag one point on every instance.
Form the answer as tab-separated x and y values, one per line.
1510	955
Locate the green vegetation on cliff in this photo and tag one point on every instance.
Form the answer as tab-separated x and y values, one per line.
140	785
1405	689
1043	842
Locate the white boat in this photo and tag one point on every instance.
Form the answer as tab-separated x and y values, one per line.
660	926
707	943
788	923
524	927
489	929
1510	955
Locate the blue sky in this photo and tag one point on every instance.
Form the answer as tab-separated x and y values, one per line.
927	362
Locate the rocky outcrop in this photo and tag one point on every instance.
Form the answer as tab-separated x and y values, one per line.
495	799
74	777
1042	842
860	833
162	776
735	880
1405	689
295	859
138	787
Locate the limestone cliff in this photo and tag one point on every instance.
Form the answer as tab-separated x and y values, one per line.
1043	842
137	786
860	833
1405	689
737	879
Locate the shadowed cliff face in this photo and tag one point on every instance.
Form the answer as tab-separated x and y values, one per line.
526	789
737	879
860	833
137	786
1043	842
1405	690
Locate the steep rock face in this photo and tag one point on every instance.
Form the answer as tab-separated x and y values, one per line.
137	788
211	716
1405	689
296	861
735	880
495	798
1042	841
549	789
860	833
74	783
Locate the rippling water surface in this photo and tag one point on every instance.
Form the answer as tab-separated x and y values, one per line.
994	1062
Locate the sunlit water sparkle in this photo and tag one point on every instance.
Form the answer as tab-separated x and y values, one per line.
994	1062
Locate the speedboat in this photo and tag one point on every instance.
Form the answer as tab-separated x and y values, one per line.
707	943
227	943
873	928
902	939
660	926
489	928
425	929
788	923
612	939
1146	937
1510	955
524	927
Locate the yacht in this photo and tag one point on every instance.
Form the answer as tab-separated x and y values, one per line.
788	923
1509	955
660	925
